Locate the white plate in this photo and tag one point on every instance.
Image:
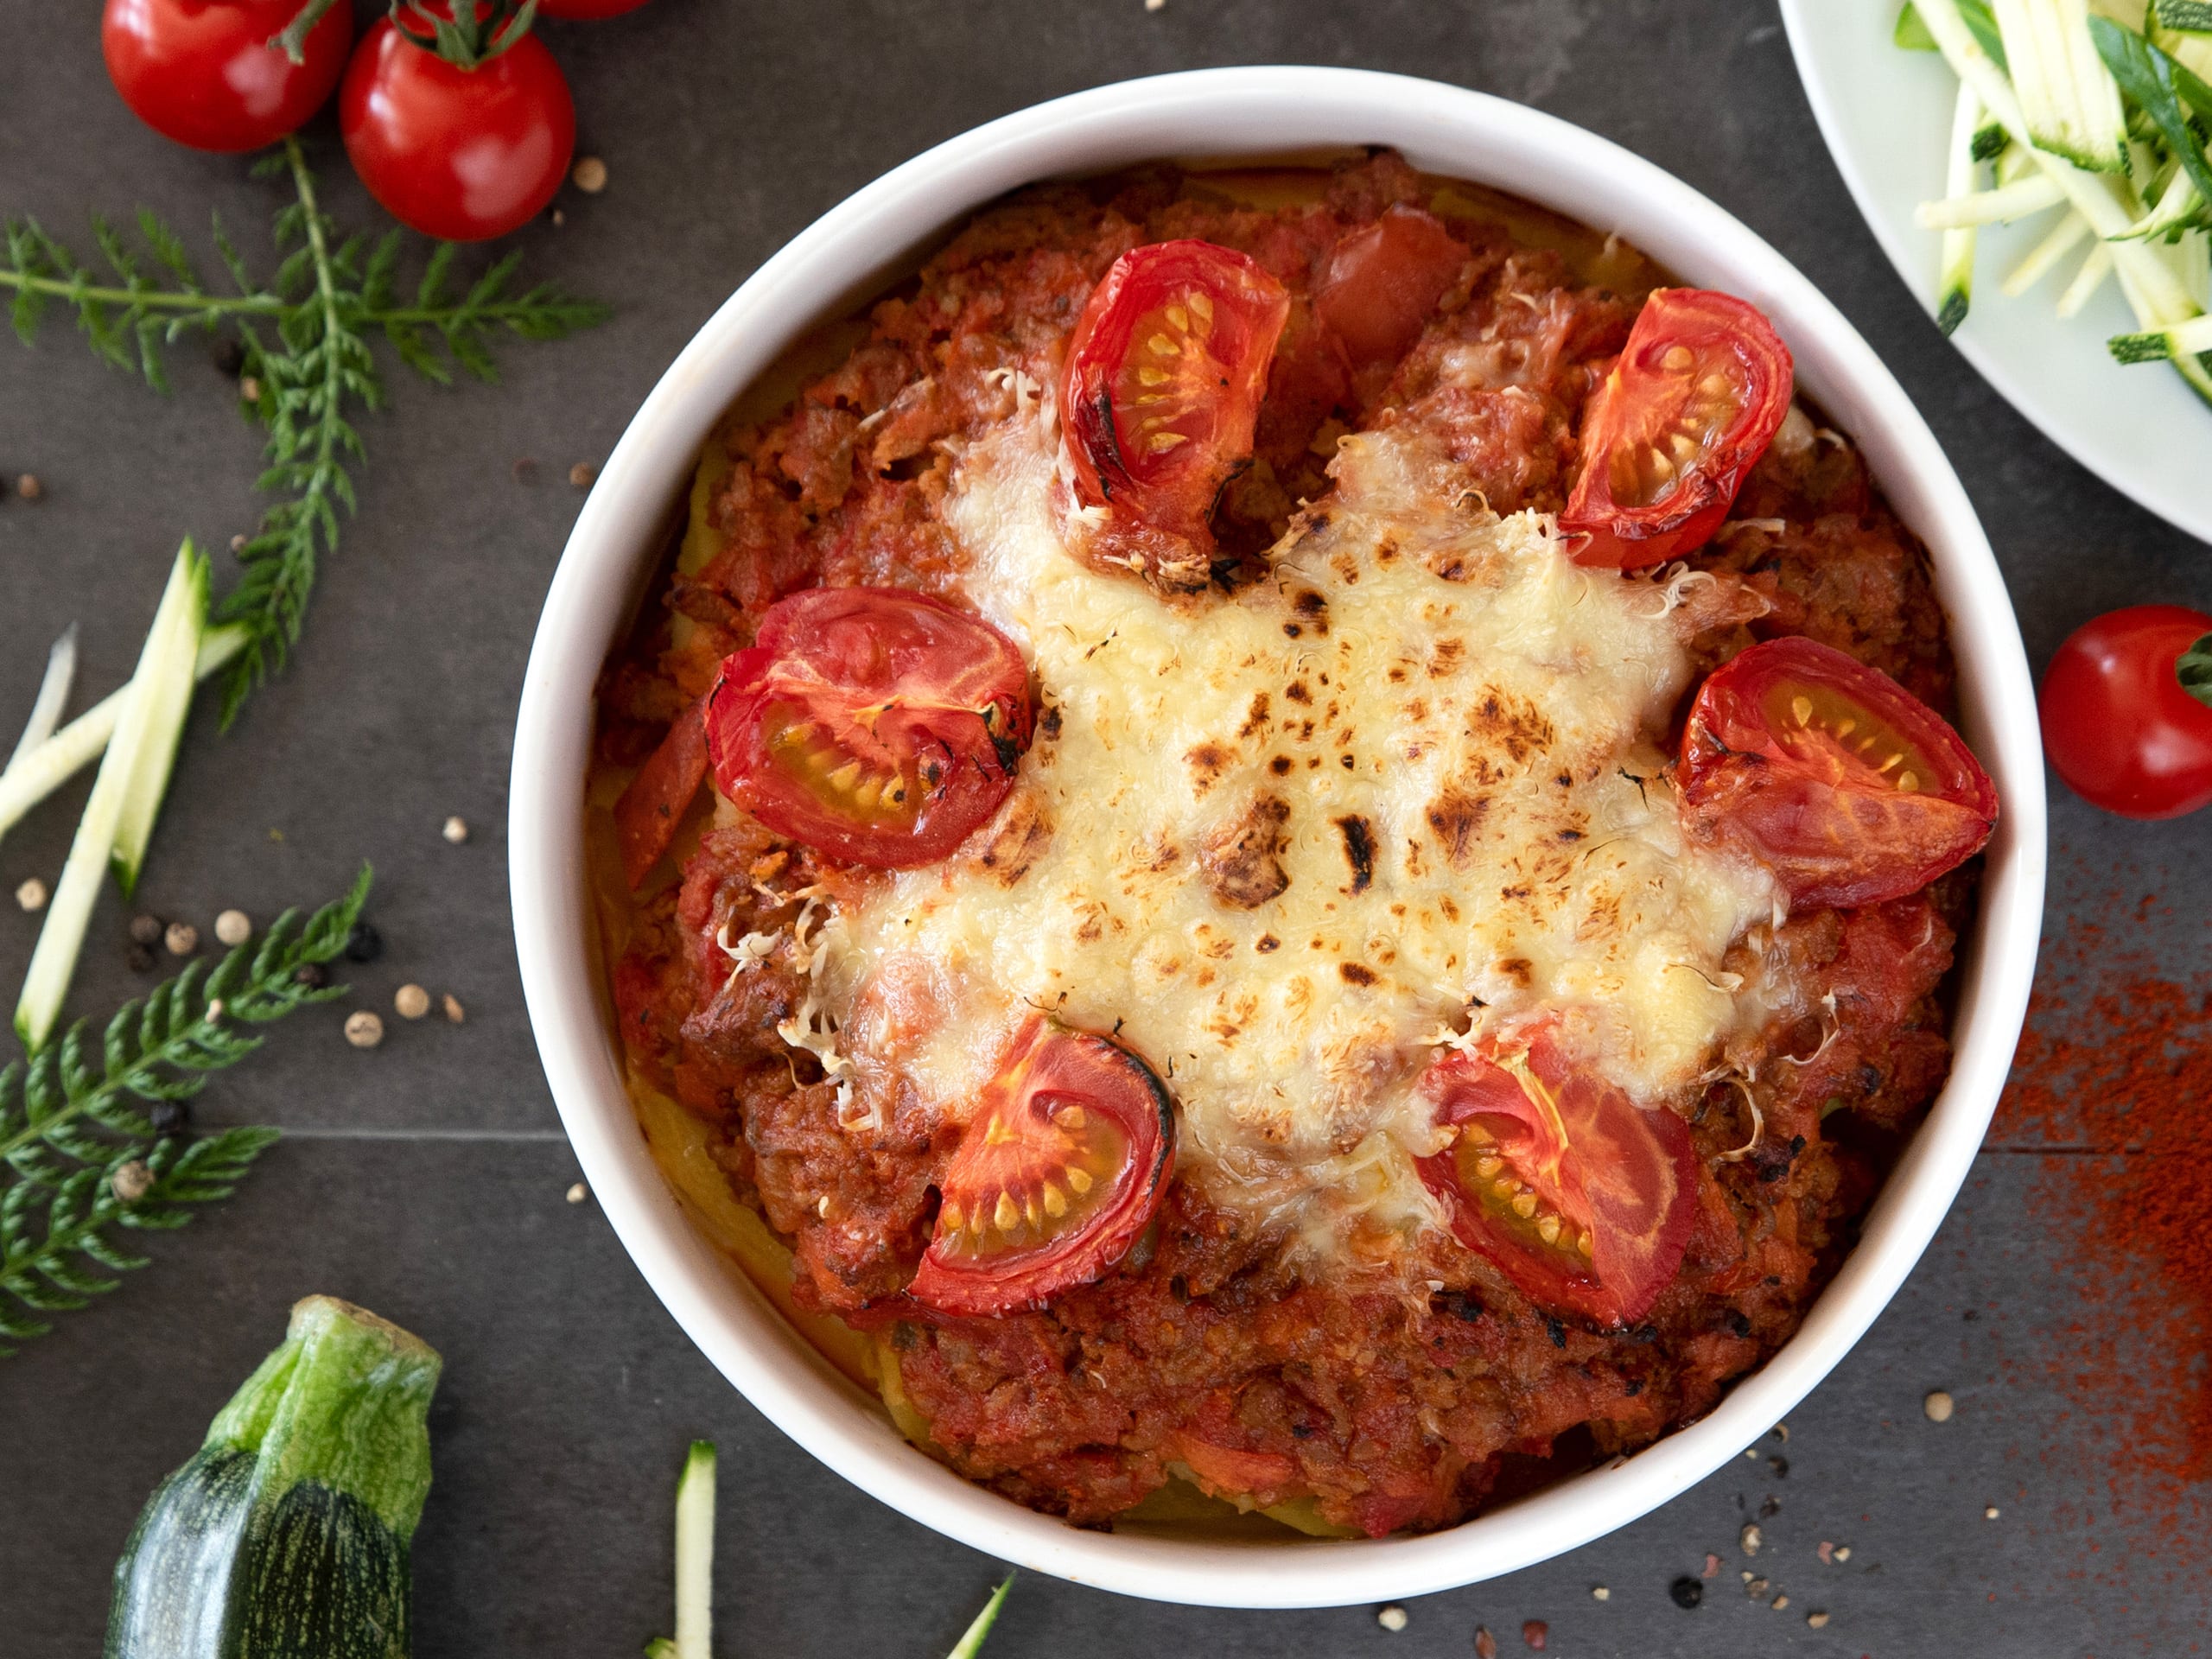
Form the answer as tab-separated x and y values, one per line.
1887	116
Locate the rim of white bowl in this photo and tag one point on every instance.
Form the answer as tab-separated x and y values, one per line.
1229	112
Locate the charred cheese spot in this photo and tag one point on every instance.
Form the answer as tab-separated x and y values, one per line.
1208	761
1242	858
1017	838
1285	911
1359	849
1455	817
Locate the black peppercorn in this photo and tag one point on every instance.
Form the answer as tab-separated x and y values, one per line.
170	1116
364	943
313	974
147	930
141	960
230	356
1687	1591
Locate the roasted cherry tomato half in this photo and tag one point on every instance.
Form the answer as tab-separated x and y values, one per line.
1384	279
1580	1197
877	725
2127	711
1062	1168
1846	786
202	72
1691	403
465	154
1165	373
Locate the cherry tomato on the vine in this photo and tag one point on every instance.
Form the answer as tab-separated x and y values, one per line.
2127	722
202	72
464	152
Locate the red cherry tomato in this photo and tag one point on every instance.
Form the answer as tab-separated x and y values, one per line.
1165	373
652	807
1382	280
1848	786
460	154
1692	403
586	10
1062	1166
202	72
1583	1198
2120	725
877	725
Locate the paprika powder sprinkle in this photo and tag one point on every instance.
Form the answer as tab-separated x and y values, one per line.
2111	1088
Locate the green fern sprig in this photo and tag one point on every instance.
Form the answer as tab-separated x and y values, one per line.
307	337
72	1122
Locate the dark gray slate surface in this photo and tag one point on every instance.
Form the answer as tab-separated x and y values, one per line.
426	1179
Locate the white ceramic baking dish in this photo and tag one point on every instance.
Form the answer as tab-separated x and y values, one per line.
836	263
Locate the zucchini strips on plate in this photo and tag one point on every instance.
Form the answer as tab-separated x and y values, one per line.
2099	116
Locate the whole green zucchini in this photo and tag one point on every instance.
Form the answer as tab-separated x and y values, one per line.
286	1536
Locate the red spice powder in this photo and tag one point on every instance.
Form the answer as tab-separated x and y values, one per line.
2111	1088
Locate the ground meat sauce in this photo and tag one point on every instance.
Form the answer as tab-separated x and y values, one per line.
1202	1356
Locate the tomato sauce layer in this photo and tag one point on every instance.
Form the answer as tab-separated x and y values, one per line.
1356	1368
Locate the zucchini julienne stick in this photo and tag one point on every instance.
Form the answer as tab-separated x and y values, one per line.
2068	99
37	773
1971	207
156	760
695	1553
2183	340
53	698
163	679
1911	34
52	694
288	1532
2040	260
1955	272
2096	265
972	1642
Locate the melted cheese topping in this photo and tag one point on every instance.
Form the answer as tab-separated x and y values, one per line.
1286	842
